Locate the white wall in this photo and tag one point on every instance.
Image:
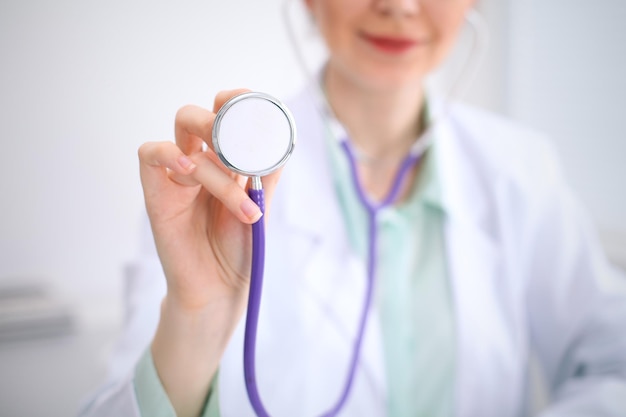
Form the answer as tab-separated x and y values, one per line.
566	76
84	83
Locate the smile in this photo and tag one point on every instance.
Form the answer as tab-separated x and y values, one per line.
390	45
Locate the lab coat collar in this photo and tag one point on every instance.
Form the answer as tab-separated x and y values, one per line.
315	209
464	193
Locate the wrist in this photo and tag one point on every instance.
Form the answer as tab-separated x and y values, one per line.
208	323
187	349
202	307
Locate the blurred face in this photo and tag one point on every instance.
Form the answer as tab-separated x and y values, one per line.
387	44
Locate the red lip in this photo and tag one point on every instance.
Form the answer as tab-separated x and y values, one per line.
389	44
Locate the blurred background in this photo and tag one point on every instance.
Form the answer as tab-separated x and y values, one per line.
84	83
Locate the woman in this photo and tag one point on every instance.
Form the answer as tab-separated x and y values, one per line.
483	257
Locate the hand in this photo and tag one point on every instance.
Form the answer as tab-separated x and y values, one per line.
200	215
200	212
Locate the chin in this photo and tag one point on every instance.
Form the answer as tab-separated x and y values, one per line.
381	77
393	79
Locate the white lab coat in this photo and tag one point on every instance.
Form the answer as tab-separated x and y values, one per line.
526	270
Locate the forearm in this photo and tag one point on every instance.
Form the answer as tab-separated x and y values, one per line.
187	348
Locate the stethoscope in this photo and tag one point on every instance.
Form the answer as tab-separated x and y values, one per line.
254	134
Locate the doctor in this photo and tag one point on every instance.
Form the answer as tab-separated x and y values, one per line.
483	261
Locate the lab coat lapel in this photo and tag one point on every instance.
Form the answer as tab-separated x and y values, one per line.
333	276
474	266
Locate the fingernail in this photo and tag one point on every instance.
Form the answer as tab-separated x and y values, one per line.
186	163
251	210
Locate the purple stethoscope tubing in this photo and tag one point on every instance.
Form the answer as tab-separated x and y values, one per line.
254	304
256	279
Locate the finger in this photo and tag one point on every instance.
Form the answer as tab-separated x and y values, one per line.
194	124
190	181
155	158
216	159
223	96
193	127
226	188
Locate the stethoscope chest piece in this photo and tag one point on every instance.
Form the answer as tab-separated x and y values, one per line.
254	134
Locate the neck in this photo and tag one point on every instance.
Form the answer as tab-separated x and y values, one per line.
382	124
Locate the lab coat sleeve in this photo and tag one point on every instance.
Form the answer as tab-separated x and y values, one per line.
133	388
117	395
144	288
577	308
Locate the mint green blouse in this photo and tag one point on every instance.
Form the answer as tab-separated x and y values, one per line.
413	292
413	296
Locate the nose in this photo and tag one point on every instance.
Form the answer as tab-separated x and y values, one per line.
397	8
